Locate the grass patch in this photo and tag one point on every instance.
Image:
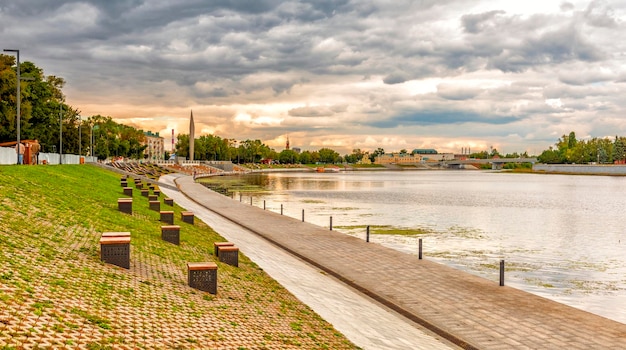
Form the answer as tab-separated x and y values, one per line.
51	222
386	230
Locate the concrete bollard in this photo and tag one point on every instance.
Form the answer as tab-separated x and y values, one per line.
419	254
501	273
367	234
331	223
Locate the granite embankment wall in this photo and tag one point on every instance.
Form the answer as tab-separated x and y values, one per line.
608	169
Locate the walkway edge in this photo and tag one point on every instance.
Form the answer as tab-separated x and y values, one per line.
381	299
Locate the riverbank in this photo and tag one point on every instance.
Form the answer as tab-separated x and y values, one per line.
470	311
581	169
56	293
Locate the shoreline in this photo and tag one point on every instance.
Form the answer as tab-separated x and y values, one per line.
436	309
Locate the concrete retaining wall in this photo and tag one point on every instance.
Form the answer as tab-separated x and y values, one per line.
608	169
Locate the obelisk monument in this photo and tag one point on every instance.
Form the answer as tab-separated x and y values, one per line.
192	134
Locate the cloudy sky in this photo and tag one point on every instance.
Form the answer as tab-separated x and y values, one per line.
444	74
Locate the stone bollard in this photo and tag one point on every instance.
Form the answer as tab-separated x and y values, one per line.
202	276
420	249
168	201
157	192
229	255
153	197
167	217
501	273
218	245
115	251
171	234
125	205
138	185
128	191
155	205
187	216
124	183
145	192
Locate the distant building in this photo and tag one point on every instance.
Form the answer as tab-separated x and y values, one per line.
398	158
155	146
296	149
424	151
417	156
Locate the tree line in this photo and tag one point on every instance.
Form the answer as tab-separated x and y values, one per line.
596	150
46	117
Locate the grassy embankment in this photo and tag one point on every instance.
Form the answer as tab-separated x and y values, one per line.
55	291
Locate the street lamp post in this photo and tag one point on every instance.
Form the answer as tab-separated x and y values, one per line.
60	133
91	140
19	97
80	122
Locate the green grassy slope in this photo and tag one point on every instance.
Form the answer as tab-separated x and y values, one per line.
55	291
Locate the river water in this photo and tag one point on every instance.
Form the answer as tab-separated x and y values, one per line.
562	237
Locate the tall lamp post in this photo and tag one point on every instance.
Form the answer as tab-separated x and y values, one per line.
19	97
80	121
60	133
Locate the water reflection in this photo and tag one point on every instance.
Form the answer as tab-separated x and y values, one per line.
562	236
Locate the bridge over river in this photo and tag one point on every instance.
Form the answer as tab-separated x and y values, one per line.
496	163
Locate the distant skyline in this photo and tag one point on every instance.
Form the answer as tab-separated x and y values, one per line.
342	74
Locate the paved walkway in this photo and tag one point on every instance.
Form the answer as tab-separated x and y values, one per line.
470	311
363	321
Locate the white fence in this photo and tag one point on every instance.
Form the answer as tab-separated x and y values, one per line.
8	156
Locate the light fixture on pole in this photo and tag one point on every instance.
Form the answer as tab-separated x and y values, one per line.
19	97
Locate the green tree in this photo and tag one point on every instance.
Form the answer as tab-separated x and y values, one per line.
571	140
550	156
619	149
288	157
378	152
306	158
328	156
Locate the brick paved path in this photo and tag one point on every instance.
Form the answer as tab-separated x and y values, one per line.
469	310
363	321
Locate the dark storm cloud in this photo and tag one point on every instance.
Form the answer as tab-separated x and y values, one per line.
427	63
445	117
476	23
